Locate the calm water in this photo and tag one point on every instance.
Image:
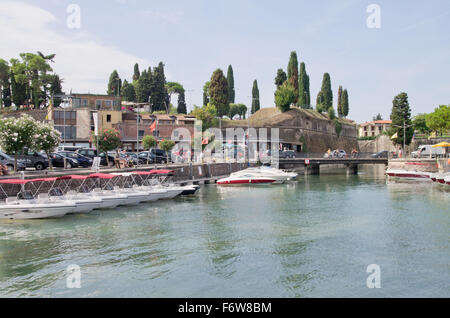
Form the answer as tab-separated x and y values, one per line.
314	238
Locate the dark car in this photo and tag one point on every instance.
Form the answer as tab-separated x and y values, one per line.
381	154
156	156
92	152
9	162
286	154
83	161
134	157
33	159
58	161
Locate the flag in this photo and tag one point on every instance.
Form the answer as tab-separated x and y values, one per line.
394	136
153	126
205	141
95	117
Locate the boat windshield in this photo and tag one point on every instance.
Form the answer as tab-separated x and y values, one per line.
108	187
55	192
83	189
25	195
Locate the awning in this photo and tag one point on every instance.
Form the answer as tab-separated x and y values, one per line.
102	175
441	144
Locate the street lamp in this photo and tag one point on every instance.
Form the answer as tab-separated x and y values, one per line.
404	133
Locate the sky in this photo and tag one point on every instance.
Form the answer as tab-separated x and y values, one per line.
409	51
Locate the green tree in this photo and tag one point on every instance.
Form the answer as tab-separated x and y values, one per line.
339	102
320	107
136	73
292	75
439	120
167	146
159	92
419	123
46	139
326	92
344	102
234	110
173	88
280	78
242	111
304	99
331	113
4	79
255	97
128	93
108	140
219	93
377	117
148	142
144	86
114	84
400	116
207	114
206	93
181	108
17	134
18	91
284	97
230	81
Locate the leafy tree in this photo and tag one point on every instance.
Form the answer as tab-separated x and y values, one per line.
181	108
108	140
331	113
284	97
114	84
255	97
292	75
377	117
439	120
344	102
326	92
173	88
339	102
6	95
55	89
320	107
304	99
159	92
337	126
206	114
219	93
4	79
234	110
167	146
419	123
206	93
136	73
18	91
242	111
230	80
128	93
400	115
17	134
46	138
280	78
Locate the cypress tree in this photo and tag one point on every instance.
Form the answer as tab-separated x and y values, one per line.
339	102
206	93
400	115
6	94
280	78
327	93
18	91
219	93
128	93
344	103
181	109
303	89
136	74
114	84
292	75
159	92
230	81
255	97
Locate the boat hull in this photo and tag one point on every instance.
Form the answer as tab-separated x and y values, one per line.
33	212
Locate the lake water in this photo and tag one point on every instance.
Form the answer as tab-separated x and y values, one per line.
312	238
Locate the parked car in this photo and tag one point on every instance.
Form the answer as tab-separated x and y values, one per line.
381	154
84	161
69	148
33	159
286	154
92	152
156	156
58	161
9	162
337	154
134	156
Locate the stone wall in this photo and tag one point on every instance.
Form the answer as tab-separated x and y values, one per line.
382	142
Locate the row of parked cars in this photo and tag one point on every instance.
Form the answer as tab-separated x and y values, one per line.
78	158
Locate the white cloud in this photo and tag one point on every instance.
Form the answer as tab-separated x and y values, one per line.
84	64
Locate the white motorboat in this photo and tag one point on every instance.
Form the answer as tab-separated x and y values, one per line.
130	188
166	191
280	176
410	174
25	205
248	178
110	197
84	203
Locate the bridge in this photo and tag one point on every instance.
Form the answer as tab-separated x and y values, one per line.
312	164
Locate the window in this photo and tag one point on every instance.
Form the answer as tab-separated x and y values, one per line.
365	134
76	102
84	102
108	103
365	128
373	134
108	118
98	103
155	133
141	133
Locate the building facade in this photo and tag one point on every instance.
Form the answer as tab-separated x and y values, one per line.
374	128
